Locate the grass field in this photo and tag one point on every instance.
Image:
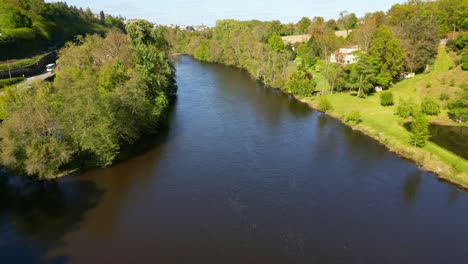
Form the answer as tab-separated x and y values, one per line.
15	64
382	124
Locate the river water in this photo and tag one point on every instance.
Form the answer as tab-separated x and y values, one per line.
242	174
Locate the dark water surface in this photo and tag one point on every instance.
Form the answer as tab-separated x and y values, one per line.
452	138
243	174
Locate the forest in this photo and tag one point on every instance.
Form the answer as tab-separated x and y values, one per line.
108	92
28	27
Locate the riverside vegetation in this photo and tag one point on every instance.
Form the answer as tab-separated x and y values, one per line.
403	40
108	92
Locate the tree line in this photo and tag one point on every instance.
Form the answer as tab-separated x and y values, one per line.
108	92
402	40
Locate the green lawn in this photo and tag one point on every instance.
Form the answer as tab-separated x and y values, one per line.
380	122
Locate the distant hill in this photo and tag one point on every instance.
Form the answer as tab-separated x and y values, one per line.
28	27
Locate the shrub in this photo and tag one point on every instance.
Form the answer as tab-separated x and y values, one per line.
300	83
458	110
428	85
353	117
430	106
419	130
444	97
386	98
324	104
465	63
406	108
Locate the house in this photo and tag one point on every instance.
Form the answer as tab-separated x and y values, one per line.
344	56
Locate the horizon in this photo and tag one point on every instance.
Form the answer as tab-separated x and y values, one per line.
207	12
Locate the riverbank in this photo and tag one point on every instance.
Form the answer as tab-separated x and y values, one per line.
433	158
381	124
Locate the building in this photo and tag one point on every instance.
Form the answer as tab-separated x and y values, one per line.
344	56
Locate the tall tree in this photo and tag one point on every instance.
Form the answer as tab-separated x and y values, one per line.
347	20
303	25
417	31
389	55
419	130
366	68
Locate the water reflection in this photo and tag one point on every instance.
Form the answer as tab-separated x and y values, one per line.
34	216
411	186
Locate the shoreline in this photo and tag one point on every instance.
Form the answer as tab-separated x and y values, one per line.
382	139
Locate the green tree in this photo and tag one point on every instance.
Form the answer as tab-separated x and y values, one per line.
347	20
419	130
389	55
366	68
417	32
276	43
300	83
303	25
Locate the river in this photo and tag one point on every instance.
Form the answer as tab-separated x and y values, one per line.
242	174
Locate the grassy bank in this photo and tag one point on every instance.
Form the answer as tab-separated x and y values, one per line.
383	125
16	64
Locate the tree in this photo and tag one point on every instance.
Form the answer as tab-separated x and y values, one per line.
419	130
102	17
328	43
300	83
276	43
347	20
303	25
389	55
417	32
332	25
364	33
366	68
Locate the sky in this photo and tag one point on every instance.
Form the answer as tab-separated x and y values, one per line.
207	12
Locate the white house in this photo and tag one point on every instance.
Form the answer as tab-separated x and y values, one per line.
344	56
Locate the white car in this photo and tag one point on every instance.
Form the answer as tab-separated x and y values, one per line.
50	67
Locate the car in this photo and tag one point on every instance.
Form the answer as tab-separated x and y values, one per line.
50	67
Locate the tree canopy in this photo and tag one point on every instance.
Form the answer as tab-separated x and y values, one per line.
108	92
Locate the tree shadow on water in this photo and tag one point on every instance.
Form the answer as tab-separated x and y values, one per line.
411	186
35	216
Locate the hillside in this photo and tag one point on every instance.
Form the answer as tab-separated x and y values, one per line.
33	26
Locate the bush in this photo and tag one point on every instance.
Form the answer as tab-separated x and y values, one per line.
444	97
406	108
430	106
8	82
428	85
465	63
458	110
419	130
386	98
300	83
324	104
353	117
